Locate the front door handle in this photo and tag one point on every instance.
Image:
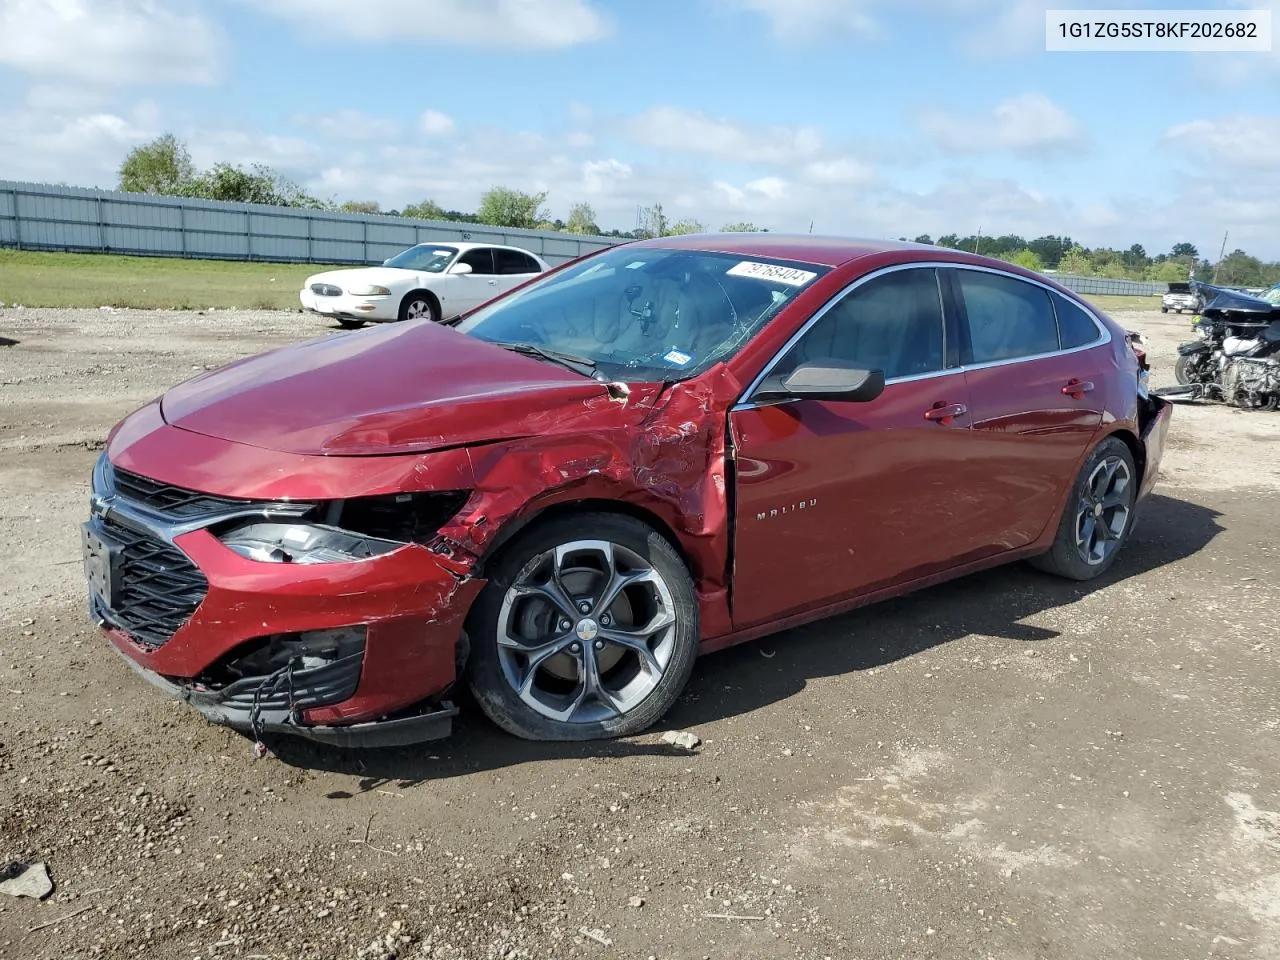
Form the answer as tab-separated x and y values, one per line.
944	413
1076	389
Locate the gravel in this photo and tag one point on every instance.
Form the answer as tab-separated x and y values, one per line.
902	781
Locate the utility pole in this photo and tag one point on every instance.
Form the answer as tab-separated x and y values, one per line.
1221	253
977	241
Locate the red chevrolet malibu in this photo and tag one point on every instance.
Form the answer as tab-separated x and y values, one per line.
650	453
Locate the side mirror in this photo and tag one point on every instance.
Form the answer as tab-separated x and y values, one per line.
829	379
460	269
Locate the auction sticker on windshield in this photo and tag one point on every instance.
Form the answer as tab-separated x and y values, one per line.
791	276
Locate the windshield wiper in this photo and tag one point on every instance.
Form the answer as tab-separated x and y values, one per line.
567	360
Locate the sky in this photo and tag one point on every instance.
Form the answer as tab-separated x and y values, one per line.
864	117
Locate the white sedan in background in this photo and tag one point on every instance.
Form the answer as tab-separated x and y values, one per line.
434	281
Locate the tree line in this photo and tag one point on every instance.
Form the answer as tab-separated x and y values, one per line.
1064	255
164	166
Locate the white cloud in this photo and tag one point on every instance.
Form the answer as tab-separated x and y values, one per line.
842	171
78	149
600	177
1030	124
352	125
1231	142
1231	182
681	130
292	156
502	24
987	28
803	20
436	124
113	42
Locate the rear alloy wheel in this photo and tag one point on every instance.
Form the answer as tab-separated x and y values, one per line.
1096	523
419	306
583	637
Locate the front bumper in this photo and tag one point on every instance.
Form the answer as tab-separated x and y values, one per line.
181	606
349	307
234	707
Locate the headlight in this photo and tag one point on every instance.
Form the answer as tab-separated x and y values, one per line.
302	543
103	476
369	291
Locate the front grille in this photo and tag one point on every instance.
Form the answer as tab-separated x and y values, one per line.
173	501
158	587
326	290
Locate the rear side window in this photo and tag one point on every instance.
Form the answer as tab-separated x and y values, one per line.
1007	318
513	261
1075	327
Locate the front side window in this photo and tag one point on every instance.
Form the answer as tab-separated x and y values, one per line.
892	323
479	259
1007	318
646	313
425	258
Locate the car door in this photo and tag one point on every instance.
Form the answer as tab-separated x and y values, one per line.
835	499
514	267
468	290
1036	365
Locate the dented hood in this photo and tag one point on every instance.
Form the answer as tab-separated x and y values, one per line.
394	389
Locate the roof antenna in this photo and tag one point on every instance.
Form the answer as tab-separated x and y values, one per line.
811	226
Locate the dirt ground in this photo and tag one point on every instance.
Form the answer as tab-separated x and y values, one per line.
1008	766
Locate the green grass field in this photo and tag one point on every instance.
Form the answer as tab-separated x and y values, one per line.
98	280
105	280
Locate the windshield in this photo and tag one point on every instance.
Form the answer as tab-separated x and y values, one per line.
1272	296
426	257
646	313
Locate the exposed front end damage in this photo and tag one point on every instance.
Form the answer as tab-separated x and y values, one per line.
326	596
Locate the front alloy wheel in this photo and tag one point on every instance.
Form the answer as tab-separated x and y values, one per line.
578	638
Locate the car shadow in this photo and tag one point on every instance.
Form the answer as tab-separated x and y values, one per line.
8	342
742	679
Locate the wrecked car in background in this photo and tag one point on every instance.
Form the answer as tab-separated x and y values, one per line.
656	451
1235	356
1180	297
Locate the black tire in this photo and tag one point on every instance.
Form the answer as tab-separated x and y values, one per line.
1067	557
1182	370
420	305
346	324
1164	309
488	672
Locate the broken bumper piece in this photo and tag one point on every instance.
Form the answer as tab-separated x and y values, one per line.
233	706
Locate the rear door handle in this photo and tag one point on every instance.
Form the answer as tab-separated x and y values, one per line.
1076	389
944	413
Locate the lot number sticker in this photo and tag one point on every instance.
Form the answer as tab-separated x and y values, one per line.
771	271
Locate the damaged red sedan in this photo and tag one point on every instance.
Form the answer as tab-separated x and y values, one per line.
650	453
